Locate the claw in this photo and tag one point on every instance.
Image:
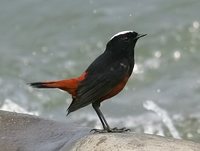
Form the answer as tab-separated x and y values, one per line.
119	130
125	129
113	130
99	130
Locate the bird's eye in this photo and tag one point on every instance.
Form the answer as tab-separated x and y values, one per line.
125	38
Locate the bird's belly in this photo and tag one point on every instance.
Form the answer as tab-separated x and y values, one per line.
116	89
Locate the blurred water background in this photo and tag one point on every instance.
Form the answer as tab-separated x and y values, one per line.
50	40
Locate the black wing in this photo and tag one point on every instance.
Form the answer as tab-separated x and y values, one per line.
98	83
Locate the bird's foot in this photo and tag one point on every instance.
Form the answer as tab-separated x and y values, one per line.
99	130
113	130
119	130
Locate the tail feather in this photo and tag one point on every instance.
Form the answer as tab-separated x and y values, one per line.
40	85
69	85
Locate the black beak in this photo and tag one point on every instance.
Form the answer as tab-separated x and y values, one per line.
140	35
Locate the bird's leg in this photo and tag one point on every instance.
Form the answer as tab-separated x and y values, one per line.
106	127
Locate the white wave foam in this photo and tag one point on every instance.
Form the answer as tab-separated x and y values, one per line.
11	106
150	105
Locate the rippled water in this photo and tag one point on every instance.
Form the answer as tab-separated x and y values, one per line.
48	40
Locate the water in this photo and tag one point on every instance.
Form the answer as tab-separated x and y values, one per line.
48	40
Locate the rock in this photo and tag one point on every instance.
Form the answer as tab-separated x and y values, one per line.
131	142
21	132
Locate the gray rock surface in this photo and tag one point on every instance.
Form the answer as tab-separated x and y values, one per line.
131	142
20	132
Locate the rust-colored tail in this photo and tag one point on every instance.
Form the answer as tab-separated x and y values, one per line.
69	85
49	84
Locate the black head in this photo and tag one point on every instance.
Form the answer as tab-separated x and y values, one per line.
123	41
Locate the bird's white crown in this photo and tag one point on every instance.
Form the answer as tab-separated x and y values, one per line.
121	33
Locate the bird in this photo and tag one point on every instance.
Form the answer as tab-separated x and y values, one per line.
105	77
